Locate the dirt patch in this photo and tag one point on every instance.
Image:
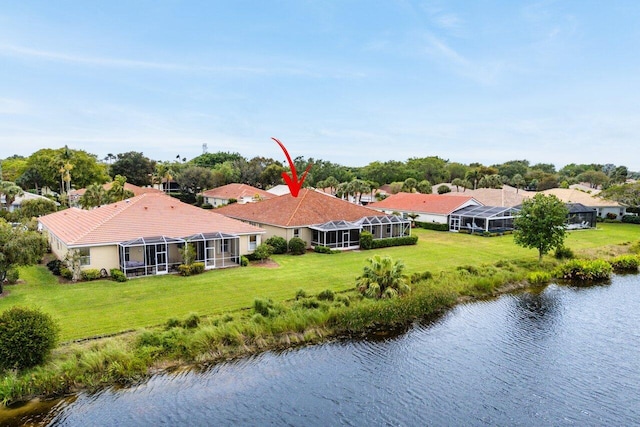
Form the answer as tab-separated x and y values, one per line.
269	263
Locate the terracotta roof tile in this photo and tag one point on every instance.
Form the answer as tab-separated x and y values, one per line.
310	207
147	215
236	191
425	203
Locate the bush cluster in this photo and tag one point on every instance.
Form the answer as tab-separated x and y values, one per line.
325	250
244	261
395	241
563	252
54	266
326	295
585	270
118	275
66	273
433	226
420	277
366	240
90	274
279	244
27	337
191	269
631	219
13	275
625	263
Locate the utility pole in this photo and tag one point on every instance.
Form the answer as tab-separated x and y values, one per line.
204	148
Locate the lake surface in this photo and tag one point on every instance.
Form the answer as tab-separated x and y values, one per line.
559	356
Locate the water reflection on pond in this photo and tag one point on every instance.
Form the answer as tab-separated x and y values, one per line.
558	356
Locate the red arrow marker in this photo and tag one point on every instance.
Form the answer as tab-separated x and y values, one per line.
292	181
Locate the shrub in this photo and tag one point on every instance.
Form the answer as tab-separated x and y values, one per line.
90	274
419	277
54	266
184	270
301	293
631	219
611	215
207	206
279	244
297	246
585	270
366	240
192	269
433	226
192	321
539	277
66	273
13	275
326	295
244	261
197	268
624	263
322	249
27	337
444	189
395	241
635	248
468	269
563	252
262	252
264	307
118	275
173	323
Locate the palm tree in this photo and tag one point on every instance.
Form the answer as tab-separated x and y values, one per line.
458	183
94	196
383	278
10	191
518	182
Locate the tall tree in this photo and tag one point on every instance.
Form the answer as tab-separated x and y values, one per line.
195	179
540	224
95	195
118	191
135	166
10	191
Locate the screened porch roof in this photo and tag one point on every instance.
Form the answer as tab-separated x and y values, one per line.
335	226
142	241
489	212
380	220
209	236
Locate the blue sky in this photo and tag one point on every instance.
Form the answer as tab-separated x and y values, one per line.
346	81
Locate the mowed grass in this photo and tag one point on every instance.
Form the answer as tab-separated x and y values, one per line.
104	307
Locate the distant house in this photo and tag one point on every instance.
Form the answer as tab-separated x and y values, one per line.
143	235
279	190
433	208
506	196
318	219
242	193
76	195
483	219
17	202
602	206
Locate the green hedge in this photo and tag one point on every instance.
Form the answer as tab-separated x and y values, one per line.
394	241
433	226
631	219
585	270
325	250
190	270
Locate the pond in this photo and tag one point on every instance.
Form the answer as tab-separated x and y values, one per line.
557	356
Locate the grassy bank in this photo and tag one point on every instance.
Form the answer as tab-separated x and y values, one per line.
227	326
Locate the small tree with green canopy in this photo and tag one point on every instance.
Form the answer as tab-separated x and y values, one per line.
540	224
382	278
19	247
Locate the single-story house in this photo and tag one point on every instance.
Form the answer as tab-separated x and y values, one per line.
318	219
433	208
490	219
75	195
602	206
143	235
17	202
242	193
506	196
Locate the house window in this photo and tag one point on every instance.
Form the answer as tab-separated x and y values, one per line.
253	242
85	256
296	232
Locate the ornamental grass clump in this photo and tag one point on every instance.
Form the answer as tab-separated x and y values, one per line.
585	270
383	278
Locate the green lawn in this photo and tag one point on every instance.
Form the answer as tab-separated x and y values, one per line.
104	307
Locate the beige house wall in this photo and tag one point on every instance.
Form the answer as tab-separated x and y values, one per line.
286	233
103	257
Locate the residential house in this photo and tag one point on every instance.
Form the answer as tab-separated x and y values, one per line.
318	219
604	208
17	202
143	235
433	208
241	193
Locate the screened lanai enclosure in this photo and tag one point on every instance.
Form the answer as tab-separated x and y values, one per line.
479	219
580	216
148	256
346	234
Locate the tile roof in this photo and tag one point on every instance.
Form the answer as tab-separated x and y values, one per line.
573	195
147	215
236	191
422	203
310	207
133	188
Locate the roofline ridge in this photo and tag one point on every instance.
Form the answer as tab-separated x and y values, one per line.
301	199
110	217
